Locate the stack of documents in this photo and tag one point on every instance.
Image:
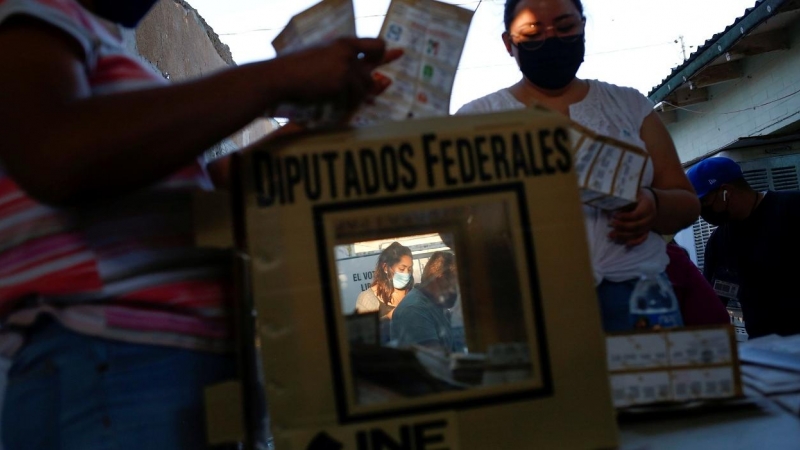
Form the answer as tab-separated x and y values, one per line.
771	365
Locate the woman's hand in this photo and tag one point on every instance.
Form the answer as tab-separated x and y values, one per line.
339	70
631	227
676	206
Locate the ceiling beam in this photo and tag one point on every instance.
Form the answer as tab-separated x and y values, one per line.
719	73
684	97
756	44
791	5
668	117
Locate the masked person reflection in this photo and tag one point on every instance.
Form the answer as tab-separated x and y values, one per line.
392	279
546	38
421	319
124	320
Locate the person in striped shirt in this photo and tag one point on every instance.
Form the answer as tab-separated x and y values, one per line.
114	319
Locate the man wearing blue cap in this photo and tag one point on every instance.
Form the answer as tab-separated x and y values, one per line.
755	251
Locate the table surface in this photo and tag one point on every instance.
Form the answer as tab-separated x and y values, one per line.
761	424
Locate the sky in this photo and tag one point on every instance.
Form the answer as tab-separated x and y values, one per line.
628	42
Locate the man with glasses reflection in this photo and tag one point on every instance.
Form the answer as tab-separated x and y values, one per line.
420	319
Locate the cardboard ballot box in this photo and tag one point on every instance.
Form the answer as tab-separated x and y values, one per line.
501	191
673	365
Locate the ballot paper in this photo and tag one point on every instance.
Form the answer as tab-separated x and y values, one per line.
432	36
323	22
609	171
673	365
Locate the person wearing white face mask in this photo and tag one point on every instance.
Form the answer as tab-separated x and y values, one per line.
391	281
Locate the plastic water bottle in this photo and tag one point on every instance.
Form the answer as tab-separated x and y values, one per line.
653	303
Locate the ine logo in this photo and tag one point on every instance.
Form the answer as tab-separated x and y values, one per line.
420	436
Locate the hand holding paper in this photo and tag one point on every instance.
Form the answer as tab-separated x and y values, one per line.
340	69
431	34
632	227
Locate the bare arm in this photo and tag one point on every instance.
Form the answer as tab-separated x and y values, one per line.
220	168
63	146
677	205
677	202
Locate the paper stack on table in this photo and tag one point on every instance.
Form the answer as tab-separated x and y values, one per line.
432	35
770	381
771	365
781	352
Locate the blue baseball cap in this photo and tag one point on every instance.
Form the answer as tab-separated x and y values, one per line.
710	173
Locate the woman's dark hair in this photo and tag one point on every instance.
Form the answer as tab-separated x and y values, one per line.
511	5
382	278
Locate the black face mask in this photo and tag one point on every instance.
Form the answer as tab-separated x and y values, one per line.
554	64
715	218
127	13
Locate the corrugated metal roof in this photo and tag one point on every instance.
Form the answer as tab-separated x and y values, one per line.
715	46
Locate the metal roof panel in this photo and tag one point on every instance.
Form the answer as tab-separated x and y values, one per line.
716	46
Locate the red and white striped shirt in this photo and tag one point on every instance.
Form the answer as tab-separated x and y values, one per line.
127	270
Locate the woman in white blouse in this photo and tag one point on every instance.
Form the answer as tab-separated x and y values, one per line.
546	38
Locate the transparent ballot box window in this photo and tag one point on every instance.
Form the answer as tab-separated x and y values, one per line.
433	300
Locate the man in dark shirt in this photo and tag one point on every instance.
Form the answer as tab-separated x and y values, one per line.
753	255
420	317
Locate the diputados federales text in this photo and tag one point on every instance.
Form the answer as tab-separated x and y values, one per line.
374	168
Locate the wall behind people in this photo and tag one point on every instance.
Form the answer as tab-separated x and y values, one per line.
176	40
685	238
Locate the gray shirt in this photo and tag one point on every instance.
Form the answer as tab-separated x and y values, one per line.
418	320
